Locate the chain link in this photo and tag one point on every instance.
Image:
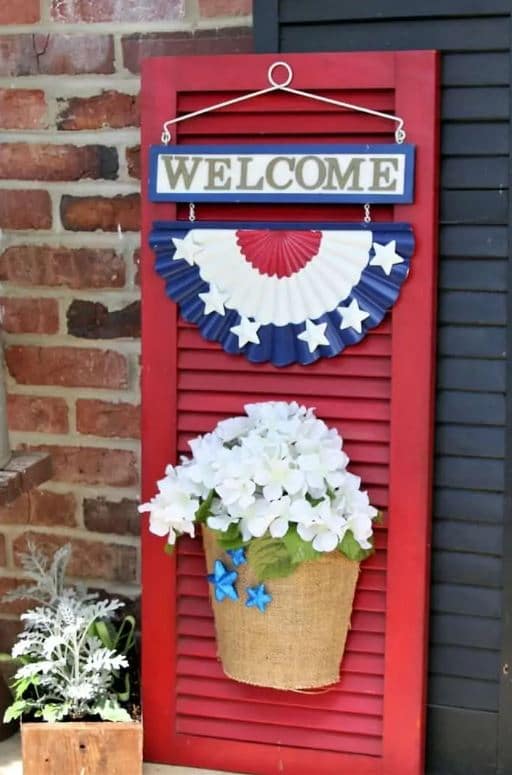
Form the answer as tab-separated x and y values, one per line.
367	214
191	212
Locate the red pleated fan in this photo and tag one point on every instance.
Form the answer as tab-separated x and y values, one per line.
279	253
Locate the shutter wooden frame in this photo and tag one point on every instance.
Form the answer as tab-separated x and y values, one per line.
414	77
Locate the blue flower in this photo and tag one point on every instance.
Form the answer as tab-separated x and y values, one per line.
257	597
223	581
237	556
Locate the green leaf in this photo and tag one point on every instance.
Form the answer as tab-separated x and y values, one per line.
16	709
230	538
269	558
169	548
313	501
379	519
21	685
298	549
125	696
351	549
53	712
106	632
205	509
110	710
125	632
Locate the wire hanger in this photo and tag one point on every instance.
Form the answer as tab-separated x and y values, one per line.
285	87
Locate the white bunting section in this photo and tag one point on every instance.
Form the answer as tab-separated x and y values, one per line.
315	289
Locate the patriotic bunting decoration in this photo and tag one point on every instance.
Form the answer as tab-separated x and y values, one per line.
285	293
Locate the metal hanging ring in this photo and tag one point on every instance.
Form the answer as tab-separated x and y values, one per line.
272	80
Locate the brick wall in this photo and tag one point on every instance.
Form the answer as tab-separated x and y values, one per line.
69	215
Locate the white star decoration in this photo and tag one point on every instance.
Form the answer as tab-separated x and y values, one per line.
386	256
214	300
352	316
185	249
314	335
246	331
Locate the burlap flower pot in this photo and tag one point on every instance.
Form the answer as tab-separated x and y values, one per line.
299	641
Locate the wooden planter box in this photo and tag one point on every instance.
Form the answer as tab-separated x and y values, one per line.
82	748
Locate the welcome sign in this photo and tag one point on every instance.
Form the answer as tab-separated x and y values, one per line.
280	173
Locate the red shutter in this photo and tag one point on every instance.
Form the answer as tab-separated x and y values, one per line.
378	394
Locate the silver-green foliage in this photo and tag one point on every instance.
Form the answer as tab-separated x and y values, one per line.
47	575
66	671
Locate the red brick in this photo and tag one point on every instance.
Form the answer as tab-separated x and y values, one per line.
93	320
9	632
212	8
25	12
218	41
67	366
136	261
89	559
43	414
92	465
25	209
120	517
17	55
133	161
34	161
76	11
22	109
75	268
103	418
89	213
3	555
43	54
74	54
109	109
29	316
16	512
52	508
40	507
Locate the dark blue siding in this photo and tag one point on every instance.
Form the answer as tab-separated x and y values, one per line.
467	601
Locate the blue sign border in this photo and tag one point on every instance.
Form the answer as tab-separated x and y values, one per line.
406	150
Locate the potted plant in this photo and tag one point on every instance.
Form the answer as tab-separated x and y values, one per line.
72	687
285	526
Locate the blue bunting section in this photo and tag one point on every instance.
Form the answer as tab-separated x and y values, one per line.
378	274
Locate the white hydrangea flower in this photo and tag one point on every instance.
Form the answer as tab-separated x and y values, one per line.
361	526
220	518
237	491
277	465
276	476
230	429
274	517
326	529
172	511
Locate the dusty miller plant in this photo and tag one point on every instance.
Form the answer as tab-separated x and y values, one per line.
66	670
